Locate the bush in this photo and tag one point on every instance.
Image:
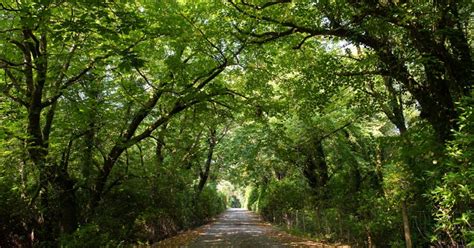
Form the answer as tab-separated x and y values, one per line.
280	199
131	214
252	198
209	204
89	235
454	197
181	210
16	217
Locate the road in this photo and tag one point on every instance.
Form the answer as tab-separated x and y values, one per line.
238	227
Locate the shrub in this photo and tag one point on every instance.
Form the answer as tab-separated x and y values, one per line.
454	197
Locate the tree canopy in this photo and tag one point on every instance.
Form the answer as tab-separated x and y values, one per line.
124	122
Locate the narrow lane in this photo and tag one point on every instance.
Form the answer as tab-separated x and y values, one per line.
239	228
236	228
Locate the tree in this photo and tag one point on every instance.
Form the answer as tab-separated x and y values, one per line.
45	56
89	59
429	56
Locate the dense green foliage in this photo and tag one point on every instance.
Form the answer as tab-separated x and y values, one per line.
124	122
90	118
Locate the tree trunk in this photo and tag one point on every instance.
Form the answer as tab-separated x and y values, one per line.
68	205
398	119
406	226
101	181
318	219
204	175
369	239
315	168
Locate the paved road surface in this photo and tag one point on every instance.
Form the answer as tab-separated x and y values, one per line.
236	228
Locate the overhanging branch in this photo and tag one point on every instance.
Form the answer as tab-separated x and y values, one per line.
265	5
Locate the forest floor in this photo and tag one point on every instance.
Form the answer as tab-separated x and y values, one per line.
238	227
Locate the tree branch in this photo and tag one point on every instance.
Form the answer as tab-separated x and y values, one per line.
265	5
362	73
49	122
335	131
77	77
205	37
303	41
6	92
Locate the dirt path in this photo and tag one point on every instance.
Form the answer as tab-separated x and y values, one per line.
238	228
